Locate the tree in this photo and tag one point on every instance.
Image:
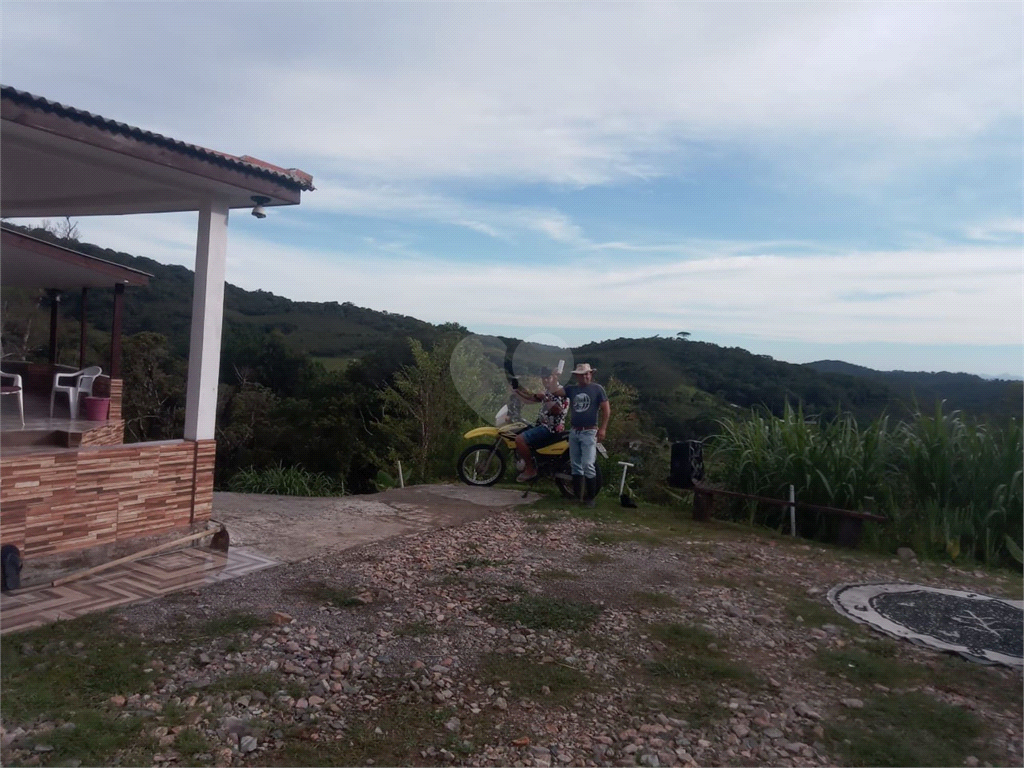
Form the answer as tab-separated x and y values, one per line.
65	228
153	396
423	411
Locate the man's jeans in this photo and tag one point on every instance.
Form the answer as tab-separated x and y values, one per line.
583	451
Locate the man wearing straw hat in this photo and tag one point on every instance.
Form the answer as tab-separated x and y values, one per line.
591	412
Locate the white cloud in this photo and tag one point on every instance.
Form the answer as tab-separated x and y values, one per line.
913	297
528	91
1002	229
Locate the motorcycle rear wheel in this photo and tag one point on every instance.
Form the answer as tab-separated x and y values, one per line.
565	486
479	466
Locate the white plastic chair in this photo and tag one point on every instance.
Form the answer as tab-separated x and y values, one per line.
15	388
76	385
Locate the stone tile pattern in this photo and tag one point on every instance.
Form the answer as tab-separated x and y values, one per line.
111	433
65	501
127	583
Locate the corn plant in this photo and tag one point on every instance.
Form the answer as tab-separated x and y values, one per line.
951	488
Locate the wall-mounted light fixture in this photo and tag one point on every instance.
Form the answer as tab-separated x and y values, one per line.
259	211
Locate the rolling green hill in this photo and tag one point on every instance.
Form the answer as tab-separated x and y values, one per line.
683	385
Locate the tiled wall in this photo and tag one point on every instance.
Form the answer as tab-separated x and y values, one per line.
112	433
60	502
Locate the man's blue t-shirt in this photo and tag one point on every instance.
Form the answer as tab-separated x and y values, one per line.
585	403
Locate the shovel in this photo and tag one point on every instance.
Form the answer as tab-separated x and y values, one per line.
624	499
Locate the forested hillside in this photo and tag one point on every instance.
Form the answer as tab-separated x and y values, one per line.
683	386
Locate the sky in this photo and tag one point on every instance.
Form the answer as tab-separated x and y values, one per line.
839	180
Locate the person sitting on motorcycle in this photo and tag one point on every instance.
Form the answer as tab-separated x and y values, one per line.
550	422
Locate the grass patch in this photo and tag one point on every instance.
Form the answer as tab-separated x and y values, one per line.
99	738
479	562
556	575
877	661
230	624
541	612
43	675
987	683
528	679
596	558
655	600
907	729
190	742
689	658
723	581
322	592
612	536
872	663
816	614
415	629
267	683
407	729
548	516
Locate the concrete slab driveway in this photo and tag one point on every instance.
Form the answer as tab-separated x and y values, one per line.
289	528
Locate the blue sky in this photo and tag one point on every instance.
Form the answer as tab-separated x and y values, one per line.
804	180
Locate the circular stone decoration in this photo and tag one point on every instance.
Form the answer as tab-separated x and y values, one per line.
989	630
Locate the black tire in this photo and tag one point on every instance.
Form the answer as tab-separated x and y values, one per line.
472	473
565	486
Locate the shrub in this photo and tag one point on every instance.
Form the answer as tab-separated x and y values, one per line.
285	481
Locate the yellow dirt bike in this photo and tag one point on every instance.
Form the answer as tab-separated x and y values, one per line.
484	464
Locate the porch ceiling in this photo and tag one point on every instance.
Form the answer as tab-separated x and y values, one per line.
60	161
28	262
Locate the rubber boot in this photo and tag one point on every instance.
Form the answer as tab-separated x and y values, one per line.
591	494
577	487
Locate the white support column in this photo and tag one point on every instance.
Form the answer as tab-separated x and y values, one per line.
207	319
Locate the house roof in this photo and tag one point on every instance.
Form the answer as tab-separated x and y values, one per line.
29	262
62	161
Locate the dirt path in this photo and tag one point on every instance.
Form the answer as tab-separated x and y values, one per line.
291	529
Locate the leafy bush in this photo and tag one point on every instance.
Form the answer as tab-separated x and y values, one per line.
285	481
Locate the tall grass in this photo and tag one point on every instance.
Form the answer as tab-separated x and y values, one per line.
285	481
950	487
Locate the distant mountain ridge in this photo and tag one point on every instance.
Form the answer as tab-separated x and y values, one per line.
685	386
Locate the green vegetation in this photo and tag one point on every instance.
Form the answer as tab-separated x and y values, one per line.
267	683
406	728
655	600
326	398
415	629
321	592
907	729
951	487
229	624
556	574
479	562
540	612
285	481
552	683
816	613
65	672
68	666
694	655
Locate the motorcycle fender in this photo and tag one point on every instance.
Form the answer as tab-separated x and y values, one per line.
555	449
481	432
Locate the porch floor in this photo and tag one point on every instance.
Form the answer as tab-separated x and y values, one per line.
133	582
39	429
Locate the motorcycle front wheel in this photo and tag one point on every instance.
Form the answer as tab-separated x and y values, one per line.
481	465
563	479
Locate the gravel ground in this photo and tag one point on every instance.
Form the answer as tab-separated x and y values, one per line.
429	631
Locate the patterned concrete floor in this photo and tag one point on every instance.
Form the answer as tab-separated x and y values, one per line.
128	583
